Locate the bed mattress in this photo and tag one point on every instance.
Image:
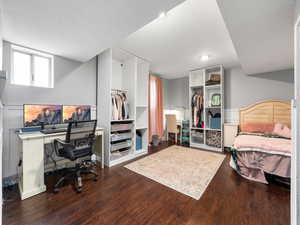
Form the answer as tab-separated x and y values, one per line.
253	155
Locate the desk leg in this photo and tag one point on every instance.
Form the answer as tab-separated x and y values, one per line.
102	150
32	178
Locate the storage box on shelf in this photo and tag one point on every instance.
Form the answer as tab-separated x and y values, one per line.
139	142
121	139
120	145
121	126
124	73
207	129
185	132
197	136
121	136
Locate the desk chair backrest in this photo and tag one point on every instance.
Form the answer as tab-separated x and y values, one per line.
80	130
171	123
80	139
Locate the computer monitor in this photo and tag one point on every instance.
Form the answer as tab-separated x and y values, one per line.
38	115
76	113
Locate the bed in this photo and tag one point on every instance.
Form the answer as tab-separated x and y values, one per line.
258	151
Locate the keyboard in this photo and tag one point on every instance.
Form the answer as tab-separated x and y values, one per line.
53	131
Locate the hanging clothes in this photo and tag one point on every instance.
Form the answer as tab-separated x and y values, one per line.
197	102
120	106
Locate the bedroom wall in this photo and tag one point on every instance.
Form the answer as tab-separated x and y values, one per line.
117	74
165	92
176	97
69	77
297	9
176	93
240	90
74	84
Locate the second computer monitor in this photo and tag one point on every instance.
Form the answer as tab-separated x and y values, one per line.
76	113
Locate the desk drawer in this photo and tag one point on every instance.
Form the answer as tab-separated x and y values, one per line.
48	140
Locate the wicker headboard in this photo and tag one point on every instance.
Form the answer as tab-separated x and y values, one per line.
271	111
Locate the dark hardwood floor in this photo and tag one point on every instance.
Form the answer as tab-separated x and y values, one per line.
123	197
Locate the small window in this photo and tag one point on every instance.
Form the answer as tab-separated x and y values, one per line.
31	68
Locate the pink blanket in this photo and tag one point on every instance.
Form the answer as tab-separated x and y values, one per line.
265	143
257	154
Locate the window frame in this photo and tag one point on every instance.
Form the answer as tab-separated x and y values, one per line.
32	54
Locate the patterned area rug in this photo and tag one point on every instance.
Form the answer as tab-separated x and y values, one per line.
186	170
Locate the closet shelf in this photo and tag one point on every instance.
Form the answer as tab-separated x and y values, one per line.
213	107
213	129
142	128
197	128
197	86
119	90
141	151
113	121
142	106
216	86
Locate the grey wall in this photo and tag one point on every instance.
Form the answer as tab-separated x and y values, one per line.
176	93
165	93
1	36
74	83
297	9
242	90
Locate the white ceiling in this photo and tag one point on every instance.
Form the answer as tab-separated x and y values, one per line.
256	34
262	32
175	43
76	29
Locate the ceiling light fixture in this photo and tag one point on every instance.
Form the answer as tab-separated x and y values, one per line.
204	57
162	15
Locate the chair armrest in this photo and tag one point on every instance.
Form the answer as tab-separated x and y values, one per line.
60	144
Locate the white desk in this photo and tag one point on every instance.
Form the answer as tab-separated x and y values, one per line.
31	175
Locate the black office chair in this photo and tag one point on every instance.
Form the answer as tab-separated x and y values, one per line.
80	139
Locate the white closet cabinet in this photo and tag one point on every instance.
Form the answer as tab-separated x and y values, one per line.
208	133
121	72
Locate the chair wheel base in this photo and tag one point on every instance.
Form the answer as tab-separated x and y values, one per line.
56	190
78	190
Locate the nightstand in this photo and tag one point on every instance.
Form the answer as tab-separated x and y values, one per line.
230	132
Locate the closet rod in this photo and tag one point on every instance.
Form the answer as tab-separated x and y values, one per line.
119	90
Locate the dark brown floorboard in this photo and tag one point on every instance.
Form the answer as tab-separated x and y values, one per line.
123	197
